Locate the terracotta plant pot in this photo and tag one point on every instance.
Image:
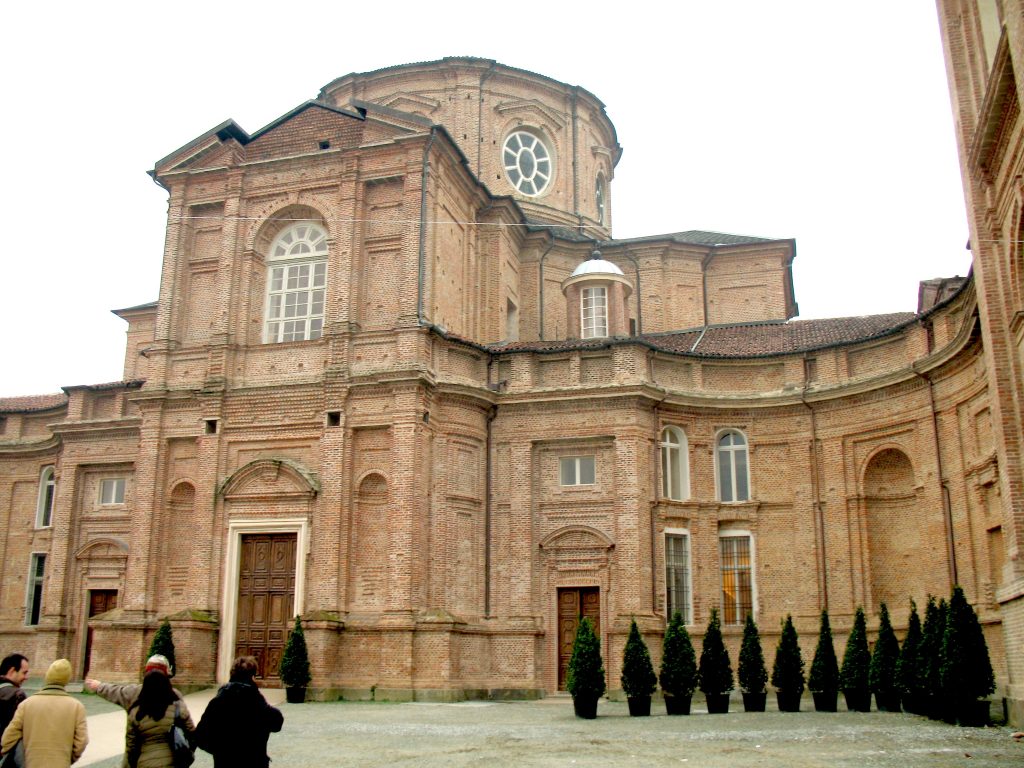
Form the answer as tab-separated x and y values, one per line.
295	695
789	701
754	702
677	705
585	707
639	706
825	701
718	703
857	700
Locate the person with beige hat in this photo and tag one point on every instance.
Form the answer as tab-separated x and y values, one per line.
50	725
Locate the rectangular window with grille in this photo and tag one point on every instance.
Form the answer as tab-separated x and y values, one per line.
34	607
735	552
677	575
594	309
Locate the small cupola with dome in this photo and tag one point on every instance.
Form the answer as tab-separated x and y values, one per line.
595	297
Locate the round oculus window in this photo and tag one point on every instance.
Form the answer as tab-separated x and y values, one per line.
527	163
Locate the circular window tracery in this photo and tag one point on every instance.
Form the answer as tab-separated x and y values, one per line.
527	163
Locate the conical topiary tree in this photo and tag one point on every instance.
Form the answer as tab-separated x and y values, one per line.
163	644
930	658
751	671
788	669
638	679
908	676
295	672
823	681
585	678
715	667
678	674
882	670
966	669
853	677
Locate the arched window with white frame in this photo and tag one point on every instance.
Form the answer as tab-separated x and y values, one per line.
296	284
675	469
47	493
733	470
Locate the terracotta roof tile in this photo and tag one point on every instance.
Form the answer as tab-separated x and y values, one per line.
31	403
742	340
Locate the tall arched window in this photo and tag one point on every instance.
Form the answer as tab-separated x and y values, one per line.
594	312
599	198
733	470
296	284
47	491
675	470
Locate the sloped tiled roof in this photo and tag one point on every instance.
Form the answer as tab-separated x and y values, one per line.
32	403
690	237
743	339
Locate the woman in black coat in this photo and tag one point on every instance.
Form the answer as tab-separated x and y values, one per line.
238	721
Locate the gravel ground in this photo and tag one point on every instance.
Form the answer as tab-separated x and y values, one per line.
546	733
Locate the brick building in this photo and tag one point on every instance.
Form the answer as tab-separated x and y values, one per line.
984	47
400	379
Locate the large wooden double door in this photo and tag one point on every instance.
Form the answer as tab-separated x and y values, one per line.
574	603
100	601
266	599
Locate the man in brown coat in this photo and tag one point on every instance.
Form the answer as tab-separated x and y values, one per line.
51	724
13	672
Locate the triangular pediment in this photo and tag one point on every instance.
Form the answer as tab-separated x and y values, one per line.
531	107
413	103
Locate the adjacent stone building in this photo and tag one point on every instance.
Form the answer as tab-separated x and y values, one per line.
401	380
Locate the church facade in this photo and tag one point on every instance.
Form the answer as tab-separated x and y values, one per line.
402	381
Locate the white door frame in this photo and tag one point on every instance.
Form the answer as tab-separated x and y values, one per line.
232	568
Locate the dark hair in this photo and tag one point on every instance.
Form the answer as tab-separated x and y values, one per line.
244	669
154	698
12	662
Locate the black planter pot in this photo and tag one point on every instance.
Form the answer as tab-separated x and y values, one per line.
857	699
888	702
295	695
585	707
789	701
754	702
974	714
718	703
639	706
825	701
677	705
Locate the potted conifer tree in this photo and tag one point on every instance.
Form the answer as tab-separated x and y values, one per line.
853	677
751	671
585	678
882	670
908	676
678	674
824	678
966	669
715	668
295	665
163	644
638	679
788	670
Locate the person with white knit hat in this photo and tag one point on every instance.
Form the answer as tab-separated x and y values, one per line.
51	724
126	694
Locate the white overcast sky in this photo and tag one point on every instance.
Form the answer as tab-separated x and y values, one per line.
826	122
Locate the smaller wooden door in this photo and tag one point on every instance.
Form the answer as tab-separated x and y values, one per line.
100	601
574	603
